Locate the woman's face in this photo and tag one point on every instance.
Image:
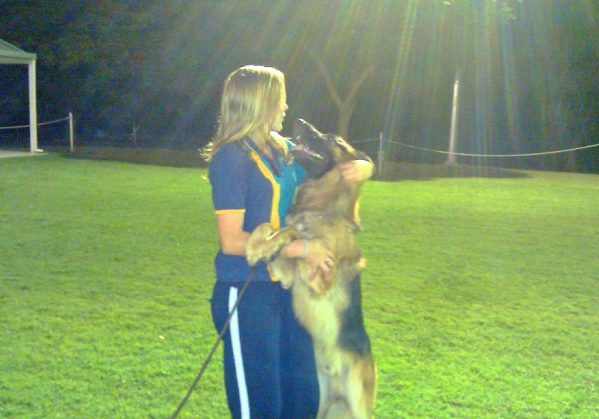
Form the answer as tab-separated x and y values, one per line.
279	115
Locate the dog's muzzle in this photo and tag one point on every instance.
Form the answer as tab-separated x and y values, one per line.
311	151
315	164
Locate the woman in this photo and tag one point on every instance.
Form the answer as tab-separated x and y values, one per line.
269	362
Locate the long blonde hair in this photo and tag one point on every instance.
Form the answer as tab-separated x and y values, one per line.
251	97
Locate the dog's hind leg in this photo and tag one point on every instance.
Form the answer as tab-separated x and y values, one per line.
361	387
339	410
331	405
326	397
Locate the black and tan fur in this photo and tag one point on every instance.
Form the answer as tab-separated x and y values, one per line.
329	308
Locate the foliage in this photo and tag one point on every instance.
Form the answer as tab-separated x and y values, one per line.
528	69
480	295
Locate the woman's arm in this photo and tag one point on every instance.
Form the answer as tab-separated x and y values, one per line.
233	240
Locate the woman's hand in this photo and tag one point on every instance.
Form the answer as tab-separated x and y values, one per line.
320	259
356	171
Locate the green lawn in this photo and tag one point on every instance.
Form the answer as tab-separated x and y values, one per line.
481	295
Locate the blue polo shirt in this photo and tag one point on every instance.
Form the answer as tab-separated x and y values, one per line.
245	182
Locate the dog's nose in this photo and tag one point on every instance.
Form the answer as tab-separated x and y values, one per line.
300	123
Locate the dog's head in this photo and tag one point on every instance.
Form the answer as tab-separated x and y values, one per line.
316	152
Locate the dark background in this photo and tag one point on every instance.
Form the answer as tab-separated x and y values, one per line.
529	71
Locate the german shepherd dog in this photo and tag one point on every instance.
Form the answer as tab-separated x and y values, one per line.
329	308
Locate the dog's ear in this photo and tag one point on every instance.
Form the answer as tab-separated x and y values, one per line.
347	152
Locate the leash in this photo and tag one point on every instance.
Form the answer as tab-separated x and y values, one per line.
249	279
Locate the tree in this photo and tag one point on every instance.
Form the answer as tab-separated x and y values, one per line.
347	104
571	92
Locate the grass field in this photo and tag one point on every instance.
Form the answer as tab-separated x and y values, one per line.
481	295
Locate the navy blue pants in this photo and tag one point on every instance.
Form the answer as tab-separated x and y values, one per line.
270	371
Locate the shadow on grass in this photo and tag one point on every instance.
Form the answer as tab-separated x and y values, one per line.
156	157
420	171
191	158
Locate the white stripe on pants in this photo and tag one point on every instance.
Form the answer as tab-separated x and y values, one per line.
237	356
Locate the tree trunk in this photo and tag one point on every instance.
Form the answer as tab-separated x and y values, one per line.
346	105
343	120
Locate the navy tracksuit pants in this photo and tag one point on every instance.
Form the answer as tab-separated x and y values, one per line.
270	371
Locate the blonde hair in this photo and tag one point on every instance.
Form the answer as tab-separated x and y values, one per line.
251	97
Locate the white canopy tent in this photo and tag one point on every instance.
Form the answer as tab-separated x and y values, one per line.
9	54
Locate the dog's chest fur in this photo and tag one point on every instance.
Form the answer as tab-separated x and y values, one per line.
310	306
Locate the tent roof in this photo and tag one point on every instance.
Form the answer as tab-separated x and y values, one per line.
9	54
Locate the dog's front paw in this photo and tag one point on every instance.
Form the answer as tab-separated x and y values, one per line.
255	251
265	243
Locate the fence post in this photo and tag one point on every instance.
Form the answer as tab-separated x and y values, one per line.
32	108
455	107
71	133
380	156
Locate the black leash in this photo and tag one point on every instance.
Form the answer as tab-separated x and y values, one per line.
249	279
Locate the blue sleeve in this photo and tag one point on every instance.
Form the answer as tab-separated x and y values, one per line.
229	184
